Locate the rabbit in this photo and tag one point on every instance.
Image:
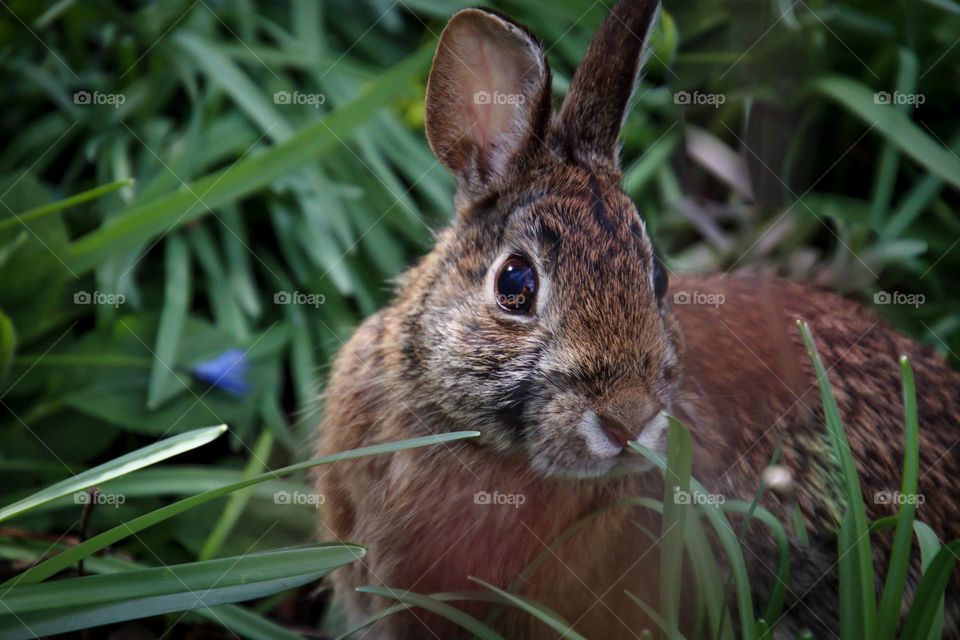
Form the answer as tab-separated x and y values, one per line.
543	319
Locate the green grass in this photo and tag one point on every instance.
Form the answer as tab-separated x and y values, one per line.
200	198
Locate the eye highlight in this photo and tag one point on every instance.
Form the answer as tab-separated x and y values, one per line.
515	286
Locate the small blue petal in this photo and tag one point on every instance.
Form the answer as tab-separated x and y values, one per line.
228	371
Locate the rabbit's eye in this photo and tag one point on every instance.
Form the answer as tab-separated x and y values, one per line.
660	279
516	285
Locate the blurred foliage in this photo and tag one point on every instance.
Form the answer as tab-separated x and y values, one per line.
262	172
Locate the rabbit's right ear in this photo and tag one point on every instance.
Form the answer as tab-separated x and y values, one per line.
488	99
588	125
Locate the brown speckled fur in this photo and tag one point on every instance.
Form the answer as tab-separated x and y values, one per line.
443	357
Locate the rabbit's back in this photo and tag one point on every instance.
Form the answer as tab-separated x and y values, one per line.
749	387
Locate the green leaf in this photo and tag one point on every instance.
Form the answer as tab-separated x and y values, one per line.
63	560
855	522
538	611
929	545
115	468
673	527
893	125
8	345
238	501
246	176
947	5
77	603
474	596
60	205
164	381
728	540
658	620
244	622
438	607
899	563
885	179
928	599
778	594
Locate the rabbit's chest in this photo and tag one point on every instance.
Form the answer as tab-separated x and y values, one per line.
509	532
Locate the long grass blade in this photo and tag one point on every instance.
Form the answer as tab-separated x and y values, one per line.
899	564
538	611
67	558
132	461
65	605
438	607
857	541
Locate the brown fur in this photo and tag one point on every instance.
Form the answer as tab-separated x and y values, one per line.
599	349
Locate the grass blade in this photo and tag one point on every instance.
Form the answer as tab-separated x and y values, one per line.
729	542
237	501
889	609
8	345
549	618
928	600
66	559
138	459
656	617
858	531
929	545
246	176
673	527
66	605
474	596
164	382
438	607
66	203
894	125
779	594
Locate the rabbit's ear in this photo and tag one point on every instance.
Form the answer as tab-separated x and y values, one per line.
588	126
488	98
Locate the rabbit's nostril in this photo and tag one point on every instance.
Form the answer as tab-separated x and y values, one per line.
615	430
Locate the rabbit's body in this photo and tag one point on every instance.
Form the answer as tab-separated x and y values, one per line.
541	320
746	386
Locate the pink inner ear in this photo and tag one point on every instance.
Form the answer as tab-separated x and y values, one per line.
491	91
486	77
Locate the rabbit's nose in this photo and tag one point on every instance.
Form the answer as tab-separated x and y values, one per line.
616	431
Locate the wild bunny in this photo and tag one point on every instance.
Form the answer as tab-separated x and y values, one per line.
541	320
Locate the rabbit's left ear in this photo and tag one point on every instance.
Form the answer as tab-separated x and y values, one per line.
488	99
588	126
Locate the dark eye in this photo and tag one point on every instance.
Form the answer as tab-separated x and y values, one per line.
660	279
516	285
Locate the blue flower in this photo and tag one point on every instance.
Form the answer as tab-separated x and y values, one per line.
228	371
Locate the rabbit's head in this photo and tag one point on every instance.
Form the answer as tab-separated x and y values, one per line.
539	318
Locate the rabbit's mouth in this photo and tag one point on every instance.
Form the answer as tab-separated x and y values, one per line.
588	445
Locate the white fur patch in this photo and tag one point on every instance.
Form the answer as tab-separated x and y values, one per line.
652	436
